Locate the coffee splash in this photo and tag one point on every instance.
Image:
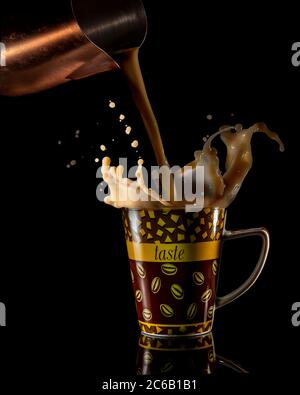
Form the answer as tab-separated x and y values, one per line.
219	189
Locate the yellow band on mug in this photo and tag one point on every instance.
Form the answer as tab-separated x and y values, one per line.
174	252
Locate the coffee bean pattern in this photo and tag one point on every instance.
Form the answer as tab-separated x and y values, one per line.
138	295
147	315
169	269
166	310
156	285
177	291
148	357
191	311
198	278
179	296
215	267
167	367
210	312
141	271
206	296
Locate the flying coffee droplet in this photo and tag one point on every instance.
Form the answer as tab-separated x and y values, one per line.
122	117
103	148
198	278
138	295
128	130
135	144
156	285
97	160
209	117
210	312
192	311
169	269
73	162
177	291
215	268
148	357
112	104
59	142
147	314
206	296
166	310
141	271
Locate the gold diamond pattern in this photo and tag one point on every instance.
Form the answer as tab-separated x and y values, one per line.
173	226
175	218
161	222
151	214
171	230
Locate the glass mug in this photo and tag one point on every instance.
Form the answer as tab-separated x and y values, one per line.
174	261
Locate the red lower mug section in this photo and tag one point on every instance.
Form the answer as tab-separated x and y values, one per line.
174	299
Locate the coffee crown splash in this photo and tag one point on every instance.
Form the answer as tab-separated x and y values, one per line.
220	189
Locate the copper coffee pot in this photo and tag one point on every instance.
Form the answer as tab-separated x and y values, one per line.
79	39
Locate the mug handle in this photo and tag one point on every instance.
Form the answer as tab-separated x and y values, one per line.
237	234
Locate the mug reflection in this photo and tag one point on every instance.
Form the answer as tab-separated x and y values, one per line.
181	356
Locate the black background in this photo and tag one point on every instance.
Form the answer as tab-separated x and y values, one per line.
64	274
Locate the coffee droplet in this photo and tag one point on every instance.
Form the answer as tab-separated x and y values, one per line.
209	117
135	144
122	117
215	268
147	314
169	269
166	310
128	130
192	311
210	312
148	357
198	278
167	367
97	160
112	104
141	271
132	276
156	285
103	148
177	291
206	296
138	295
